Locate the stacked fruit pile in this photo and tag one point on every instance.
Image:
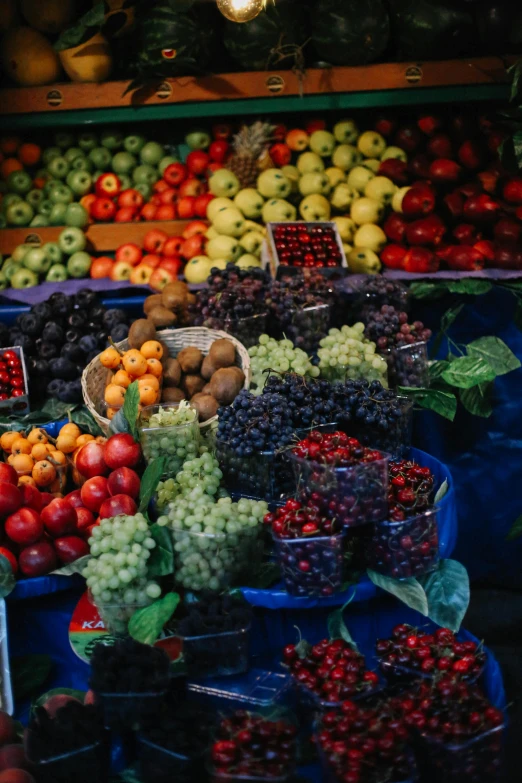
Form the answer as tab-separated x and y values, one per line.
142	365
53	262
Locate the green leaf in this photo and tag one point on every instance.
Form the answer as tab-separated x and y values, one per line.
468	371
496	353
447	590
443	403
513	285
119	424
337	628
147	624
303	648
409	591
442	490
86	421
161	561
75	567
150	480
28	674
130	407
437	368
450	316
7	578
427	290
516	529
478	400
40	701
469	285
55	409
83	30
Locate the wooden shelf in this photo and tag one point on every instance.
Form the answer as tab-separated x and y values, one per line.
102	237
481	78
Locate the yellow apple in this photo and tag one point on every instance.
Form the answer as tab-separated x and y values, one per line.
252	242
347	249
346	132
309	161
346	228
198	269
381	189
346	157
230	222
216	205
366	210
250	202
372	164
211	233
141	274
394	152
371	144
363	261
343	197
315	207
370	236
335	175
247	259
398	197
314	182
223	247
292	174
322	142
277	210
359	177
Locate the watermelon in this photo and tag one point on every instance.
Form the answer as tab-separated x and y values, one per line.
350	32
431	29
251	45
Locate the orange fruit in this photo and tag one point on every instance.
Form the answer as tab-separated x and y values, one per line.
71	429
135	363
39	451
26	480
23	464
114	395
111	413
9	165
37	435
122	378
21	446
58	457
152	349
147	394
66	443
154	367
29	154
110	358
44	473
149	380
7	440
82	439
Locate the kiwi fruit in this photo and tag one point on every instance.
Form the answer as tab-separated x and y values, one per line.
222	353
172	300
177	286
190	360
225	385
171	373
192	384
141	330
160	316
206	406
239	372
206	389
207	368
191	298
172	395
154	300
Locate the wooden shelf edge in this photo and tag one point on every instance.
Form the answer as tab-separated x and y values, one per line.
256	84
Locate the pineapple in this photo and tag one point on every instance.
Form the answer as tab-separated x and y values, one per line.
251	152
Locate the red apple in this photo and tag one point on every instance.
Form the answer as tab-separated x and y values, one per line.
130	198
5	552
444	170
130	253
454	203
70	548
465	259
186	207
495	139
392	256
395	227
59	517
197	162
31	497
419	201
46	498
193	228
125	215
124	481
426	232
201	203
385	125
122	451
508	258
103	209
470	189
408	138
471	155
443	251
419	166
175	174
192	187
89	460
8	474
512	191
12	757
94	492
281	154
465	234
440	146
166	212
10	498
429	123
160	278
75	498
154	240
420	260
508	232
118	504
148	211
487	248
151	260
36	560
218	150
85	519
193	246
168	196
171	265
314	124
171	247
24	526
108	186
396	170
481	208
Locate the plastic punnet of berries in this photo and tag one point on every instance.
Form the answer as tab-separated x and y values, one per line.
278	356
402	344
346	354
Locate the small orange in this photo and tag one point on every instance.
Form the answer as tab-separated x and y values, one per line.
152	349
135	363
39	451
9	165
58	457
84	439
154	367
37	435
56	488
29	154
147	394
111	413
26	480
23	464
114	395
9	144
7	440
122	378
110	358
44	473
71	429
150	380
21	446
65	443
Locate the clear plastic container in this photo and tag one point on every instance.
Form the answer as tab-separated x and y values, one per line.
217	654
405	549
214	560
364	371
126	711
312	701
406	675
84	765
266	475
478	760
116	617
219	776
256	690
374	292
247	330
396	440
175	443
161	765
308	326
331	775
407	365
311	566
355	495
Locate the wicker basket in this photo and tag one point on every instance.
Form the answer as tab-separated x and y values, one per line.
95	374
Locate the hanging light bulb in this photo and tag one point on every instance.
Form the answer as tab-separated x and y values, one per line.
240	10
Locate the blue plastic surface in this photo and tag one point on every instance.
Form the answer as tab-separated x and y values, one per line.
45	585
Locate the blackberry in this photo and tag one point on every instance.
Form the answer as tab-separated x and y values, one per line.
128	667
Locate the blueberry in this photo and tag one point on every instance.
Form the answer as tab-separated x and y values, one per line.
26	342
119	332
53	333
113	317
41	367
87	344
96	313
55	387
61	304
85	298
71	392
72	335
101	338
72	351
62	368
44	310
77	319
4	336
31	324
92	355
48	350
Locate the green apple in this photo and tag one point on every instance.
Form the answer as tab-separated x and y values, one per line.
124	163
216	205
80	182
125	181
335	175
19	214
61	194
292	174
165	162
37	260
4	282
53	252
371	163
79	264
57	274
63	139
10	198
247	259
343	197
309	161
382	189
366	210
398	197
224	183
10	267
19	182
72	240
82	164
57	215
224	247
143	188
72	153
249	201
230	222
359	177
20	252
39	221
97	174
35	198
101	157
278	210
197	269
58	168
134	144
314	182
198	140
24	278
272	183
363	261
50	154
370	236
49	185
315	207
251	225
346	228
394	152
45	207
211	233
346	132
346	157
87	141
146	174
371	144
322	142
76	215
111	139
152	153
252	242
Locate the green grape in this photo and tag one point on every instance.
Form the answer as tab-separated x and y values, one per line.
346	354
172	432
280	356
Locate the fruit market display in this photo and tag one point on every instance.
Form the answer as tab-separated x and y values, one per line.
53	262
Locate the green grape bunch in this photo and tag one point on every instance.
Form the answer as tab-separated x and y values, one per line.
346	354
280	356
